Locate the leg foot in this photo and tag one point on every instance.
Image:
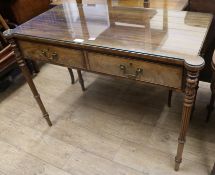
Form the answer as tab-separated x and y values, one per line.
177	164
46	116
81	81
71	75
42	108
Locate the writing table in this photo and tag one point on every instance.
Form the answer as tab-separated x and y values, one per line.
154	46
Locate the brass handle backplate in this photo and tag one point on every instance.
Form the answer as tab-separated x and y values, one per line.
129	75
50	56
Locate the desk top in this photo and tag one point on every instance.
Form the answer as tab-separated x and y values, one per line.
162	33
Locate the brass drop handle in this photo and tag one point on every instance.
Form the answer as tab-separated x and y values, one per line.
132	76
54	56
46	54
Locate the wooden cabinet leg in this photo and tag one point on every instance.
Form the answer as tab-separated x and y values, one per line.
35	67
190	93
27	75
81	81
211	105
71	75
170	98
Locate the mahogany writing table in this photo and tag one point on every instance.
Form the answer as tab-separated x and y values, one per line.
160	47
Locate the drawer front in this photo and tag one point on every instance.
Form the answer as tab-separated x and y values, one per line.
155	73
52	54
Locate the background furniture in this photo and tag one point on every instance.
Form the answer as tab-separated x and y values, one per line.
3	23
7	60
7	64
20	11
212	100
206	6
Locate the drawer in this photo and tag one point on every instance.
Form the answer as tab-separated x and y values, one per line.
52	54
151	72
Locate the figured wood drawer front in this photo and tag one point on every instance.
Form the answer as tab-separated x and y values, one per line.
155	73
52	54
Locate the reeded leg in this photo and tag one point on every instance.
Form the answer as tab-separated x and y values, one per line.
27	75
190	93
71	75
81	81
170	98
211	105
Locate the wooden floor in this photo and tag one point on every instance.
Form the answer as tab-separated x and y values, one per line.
114	128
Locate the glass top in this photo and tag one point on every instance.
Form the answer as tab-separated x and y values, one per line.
152	31
170	4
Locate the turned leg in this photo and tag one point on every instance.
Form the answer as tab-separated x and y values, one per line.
213	170
211	105
190	92
27	75
170	98
71	75
81	81
146	3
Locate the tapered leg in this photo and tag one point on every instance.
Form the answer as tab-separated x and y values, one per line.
211	105
190	93
27	75
81	81
170	98
71	75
